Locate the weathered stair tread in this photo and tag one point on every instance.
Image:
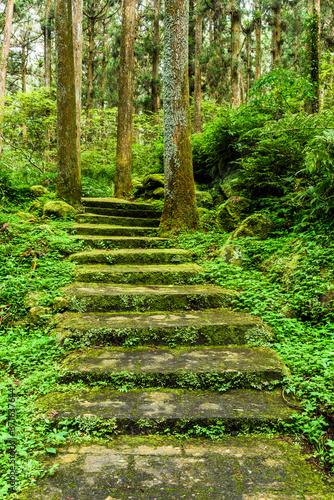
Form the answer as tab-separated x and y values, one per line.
148	274
124	297
132	255
125	211
120	241
105	230
176	364
118	221
116	203
233	408
211	326
165	468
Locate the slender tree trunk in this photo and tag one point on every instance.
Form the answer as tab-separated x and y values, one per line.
123	183
90	64
314	54
198	75
258	45
3	60
68	168
47	44
77	8
192	44
210	27
276	50
104	64
235	56
242	88
248	42
155	60
180	212
24	83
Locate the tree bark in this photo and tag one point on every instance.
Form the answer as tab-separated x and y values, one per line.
123	183
314	54
47	44
248	42
90	63
258	45
68	168
24	83
235	56
180	212
198	75
104	64
276	49
4	59
77	8
192	44
155	60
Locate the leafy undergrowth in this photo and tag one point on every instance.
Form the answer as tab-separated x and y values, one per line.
288	280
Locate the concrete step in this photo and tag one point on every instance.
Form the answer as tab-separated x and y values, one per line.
167	468
107	230
206	327
213	368
144	256
164	274
116	203
117	221
127	212
120	241
95	297
155	411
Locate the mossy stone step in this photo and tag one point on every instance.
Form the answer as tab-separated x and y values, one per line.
116	203
153	411
167	468
120	241
107	230
96	297
117	221
212	368
126	212
164	274
132	256
207	327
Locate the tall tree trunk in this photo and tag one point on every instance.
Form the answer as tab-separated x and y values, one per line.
276	49
192	44
258	45
235	56
155	60
248	42
314	54
77	8
68	168
47	44
104	64
3	60
24	83
123	183
198	75
180	212
90	63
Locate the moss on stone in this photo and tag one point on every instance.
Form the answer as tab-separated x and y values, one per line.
39	190
204	199
58	209
231	213
256	225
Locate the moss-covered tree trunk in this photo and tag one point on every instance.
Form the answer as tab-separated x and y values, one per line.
104	63
3	59
47	44
77	8
248	43
90	63
235	56
155	88
198	74
180	211
123	183
314	54
258	44
24	81
68	168
276	49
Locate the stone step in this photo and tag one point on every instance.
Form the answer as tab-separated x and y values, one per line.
167	468
213	368
118	212
135	275
95	297
210	327
117	221
120	241
116	203
133	256
107	230
155	411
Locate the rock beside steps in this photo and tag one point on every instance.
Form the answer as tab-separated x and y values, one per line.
160	355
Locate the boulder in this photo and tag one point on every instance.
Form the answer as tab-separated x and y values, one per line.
204	199
38	314
58	209
37	207
39	190
159	193
231	213
227	185
33	299
231	254
256	225
151	182
26	215
45	227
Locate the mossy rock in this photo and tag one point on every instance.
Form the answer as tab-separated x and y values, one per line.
256	225
45	227
39	191
204	199
231	213
227	185
34	299
38	314
159	193
37	207
26	215
231	254
151	182
58	209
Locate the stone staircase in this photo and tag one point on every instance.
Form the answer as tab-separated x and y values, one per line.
159	355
